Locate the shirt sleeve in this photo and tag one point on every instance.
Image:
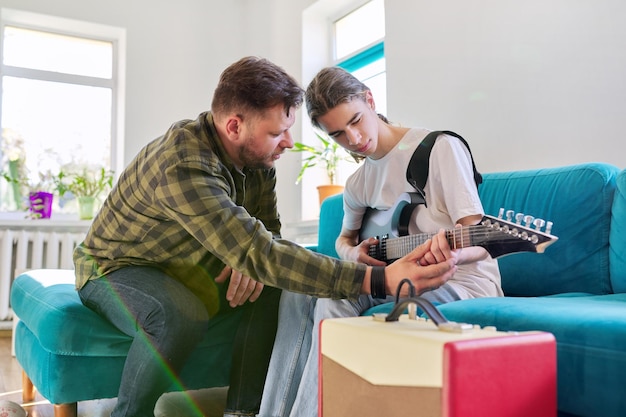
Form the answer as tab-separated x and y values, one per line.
451	178
201	198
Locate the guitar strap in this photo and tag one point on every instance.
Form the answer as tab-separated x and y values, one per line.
417	171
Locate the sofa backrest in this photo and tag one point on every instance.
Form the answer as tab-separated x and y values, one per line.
331	216
617	250
578	200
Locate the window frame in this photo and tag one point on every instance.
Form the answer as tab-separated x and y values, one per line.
318	34
355	61
88	30
363	58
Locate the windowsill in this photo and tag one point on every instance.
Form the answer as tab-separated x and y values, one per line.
67	221
302	232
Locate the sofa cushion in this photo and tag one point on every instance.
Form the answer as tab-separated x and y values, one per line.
617	249
47	302
60	343
578	200
591	334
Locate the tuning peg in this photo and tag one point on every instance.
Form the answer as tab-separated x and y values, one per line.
549	228
500	212
519	217
538	223
509	215
528	220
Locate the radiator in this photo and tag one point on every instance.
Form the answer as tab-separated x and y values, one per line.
21	250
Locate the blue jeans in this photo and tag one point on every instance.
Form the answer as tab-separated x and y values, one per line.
167	321
291	388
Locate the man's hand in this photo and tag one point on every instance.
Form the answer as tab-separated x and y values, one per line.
439	250
240	287
424	278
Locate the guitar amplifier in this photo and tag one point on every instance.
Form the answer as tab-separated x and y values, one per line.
414	367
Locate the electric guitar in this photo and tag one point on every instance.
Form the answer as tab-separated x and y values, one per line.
497	235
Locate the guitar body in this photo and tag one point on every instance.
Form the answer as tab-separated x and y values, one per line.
393	222
497	235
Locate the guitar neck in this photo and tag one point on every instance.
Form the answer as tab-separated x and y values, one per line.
394	248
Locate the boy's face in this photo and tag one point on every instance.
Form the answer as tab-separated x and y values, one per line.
353	125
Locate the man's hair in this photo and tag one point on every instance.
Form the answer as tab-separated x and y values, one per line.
253	85
331	87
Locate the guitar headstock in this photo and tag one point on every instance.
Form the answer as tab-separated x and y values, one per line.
515	233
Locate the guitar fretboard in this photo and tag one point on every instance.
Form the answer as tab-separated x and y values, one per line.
458	238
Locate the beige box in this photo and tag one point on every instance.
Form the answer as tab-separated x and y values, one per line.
412	368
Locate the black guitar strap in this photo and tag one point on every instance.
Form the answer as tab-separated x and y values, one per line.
417	171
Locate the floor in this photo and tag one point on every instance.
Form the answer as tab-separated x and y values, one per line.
201	403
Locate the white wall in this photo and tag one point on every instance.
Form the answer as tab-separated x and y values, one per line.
530	83
275	32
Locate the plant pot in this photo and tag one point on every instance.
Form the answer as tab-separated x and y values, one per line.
86	206
15	186
40	205
327	190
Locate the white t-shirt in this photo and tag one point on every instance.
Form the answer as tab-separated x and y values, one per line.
450	195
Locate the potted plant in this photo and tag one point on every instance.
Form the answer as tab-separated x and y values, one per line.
39	190
14	169
40	196
86	185
327	154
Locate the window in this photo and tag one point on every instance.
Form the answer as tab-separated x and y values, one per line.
360	49
61	89
349	34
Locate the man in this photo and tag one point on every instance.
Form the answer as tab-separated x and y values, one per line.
198	206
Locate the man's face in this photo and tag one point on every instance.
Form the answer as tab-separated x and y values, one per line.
265	138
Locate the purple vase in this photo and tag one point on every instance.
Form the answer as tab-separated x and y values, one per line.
40	205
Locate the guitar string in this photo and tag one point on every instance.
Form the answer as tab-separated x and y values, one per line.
402	245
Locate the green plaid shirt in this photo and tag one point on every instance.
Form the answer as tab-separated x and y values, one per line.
182	206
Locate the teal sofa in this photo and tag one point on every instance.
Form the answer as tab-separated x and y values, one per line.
575	290
70	354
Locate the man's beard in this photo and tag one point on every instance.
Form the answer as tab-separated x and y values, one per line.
254	160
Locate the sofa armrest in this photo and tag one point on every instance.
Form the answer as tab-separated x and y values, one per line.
617	238
331	218
312	248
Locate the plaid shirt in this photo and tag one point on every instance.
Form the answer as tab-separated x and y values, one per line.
183	207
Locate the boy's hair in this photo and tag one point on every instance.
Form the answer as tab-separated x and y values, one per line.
253	85
331	87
